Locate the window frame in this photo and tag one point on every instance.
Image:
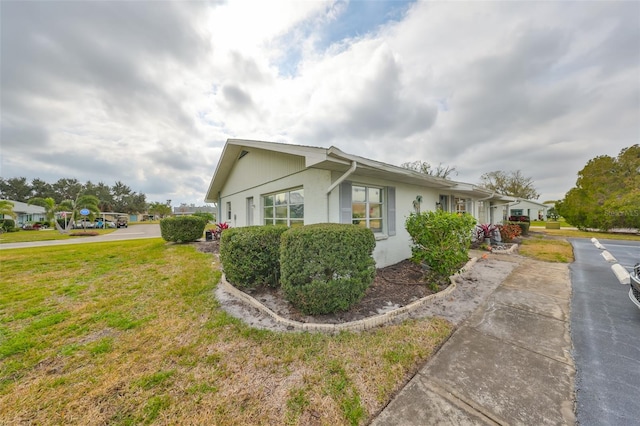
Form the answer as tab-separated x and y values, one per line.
275	206
369	205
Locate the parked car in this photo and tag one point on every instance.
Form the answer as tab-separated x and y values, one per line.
122	222
634	291
100	224
83	224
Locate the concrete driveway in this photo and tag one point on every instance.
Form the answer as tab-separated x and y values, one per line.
133	232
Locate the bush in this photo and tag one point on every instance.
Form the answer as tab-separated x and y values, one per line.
509	231
7	225
182	229
326	268
250	256
440	239
524	227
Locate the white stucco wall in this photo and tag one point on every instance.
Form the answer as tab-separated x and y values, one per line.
314	182
261	173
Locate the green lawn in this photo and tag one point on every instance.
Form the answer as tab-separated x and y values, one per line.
563	224
44	235
130	332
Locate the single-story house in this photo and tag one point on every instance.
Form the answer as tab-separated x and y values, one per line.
519	207
26	213
261	183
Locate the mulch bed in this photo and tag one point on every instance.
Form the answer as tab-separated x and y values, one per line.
393	287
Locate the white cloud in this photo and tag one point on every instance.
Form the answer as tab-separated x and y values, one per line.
147	92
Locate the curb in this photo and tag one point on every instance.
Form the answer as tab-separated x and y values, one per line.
511	250
359	325
621	274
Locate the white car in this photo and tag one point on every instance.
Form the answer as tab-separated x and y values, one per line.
83	224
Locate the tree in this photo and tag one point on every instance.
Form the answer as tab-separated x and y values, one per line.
102	192
6	209
49	204
607	193
67	189
423	167
159	209
512	183
42	189
16	189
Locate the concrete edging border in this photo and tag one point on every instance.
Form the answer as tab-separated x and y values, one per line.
511	250
359	325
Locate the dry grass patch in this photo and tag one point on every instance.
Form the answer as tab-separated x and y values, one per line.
130	333
548	250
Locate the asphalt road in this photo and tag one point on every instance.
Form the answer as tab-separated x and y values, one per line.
131	233
605	329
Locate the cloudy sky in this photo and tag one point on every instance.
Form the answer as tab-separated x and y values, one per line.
147	92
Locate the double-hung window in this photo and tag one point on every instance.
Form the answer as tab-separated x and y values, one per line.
366	207
284	208
369	206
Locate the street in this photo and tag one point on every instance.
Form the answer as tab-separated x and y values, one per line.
131	233
605	329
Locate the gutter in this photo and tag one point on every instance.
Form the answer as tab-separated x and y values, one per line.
486	198
346	174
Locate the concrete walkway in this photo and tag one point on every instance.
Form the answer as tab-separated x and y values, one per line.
509	364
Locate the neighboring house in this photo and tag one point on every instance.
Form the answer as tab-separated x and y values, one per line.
518	207
261	183
26	213
186	210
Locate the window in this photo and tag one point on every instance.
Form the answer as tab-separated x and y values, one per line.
228	210
373	207
284	208
443	203
367	207
516	212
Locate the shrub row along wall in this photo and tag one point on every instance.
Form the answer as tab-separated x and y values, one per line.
323	268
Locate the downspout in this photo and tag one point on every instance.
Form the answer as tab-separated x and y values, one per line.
488	210
346	174
338	181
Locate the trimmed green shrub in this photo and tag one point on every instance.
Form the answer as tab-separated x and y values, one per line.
326	268
250	256
524	226
7	225
440	239
182	229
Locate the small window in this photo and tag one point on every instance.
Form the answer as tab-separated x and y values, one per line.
367	207
284	208
516	212
228	210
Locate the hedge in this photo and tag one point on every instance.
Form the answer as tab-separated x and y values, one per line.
182	229
326	268
250	256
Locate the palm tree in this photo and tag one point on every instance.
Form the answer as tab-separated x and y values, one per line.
6	209
88	202
49	205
